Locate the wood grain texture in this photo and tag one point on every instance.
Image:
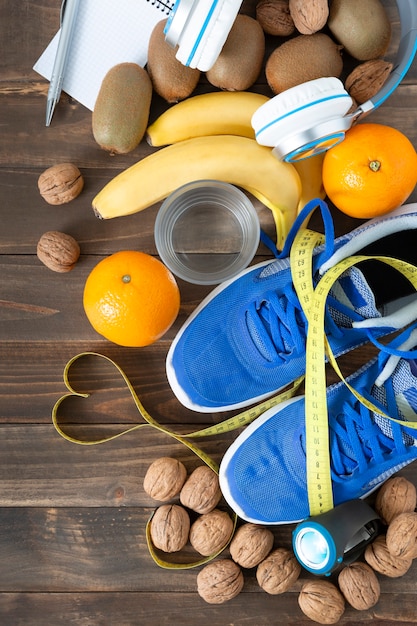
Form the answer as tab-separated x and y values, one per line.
72	518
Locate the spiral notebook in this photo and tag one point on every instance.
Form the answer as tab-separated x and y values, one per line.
107	32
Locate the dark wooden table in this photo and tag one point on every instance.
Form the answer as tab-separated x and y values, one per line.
72	518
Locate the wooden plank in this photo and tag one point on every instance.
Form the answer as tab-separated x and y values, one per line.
185	609
38	467
104	549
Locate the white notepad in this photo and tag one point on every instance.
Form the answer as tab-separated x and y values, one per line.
107	32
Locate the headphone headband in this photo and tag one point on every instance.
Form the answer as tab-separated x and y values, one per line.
407	10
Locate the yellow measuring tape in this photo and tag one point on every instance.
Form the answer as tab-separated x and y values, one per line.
228	425
313	301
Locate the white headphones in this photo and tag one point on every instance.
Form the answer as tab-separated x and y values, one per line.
200	28
301	121
313	117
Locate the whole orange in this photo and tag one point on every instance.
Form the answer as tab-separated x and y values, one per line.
131	298
372	171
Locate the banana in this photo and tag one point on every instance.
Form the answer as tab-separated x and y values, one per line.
237	160
214	113
310	172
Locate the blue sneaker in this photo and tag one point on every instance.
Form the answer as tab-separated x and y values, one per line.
263	473
246	340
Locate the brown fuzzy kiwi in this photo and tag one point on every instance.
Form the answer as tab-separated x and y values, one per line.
363	28
240	61
121	110
172	80
301	59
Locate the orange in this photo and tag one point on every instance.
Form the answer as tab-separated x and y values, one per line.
371	172
131	298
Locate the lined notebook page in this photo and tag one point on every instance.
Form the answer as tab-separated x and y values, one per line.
106	32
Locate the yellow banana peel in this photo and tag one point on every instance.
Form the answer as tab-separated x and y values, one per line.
214	113
230	158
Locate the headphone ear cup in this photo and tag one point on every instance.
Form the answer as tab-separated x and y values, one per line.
299	108
205	32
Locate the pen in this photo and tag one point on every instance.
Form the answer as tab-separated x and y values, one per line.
68	15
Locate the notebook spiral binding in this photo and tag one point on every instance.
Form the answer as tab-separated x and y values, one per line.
164	6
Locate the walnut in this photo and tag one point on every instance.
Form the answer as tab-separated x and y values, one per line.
397	495
278	572
309	16
58	251
61	183
211	532
321	601
220	581
251	544
170	527
367	78
381	560
201	491
359	585
275	18
402	536
164	478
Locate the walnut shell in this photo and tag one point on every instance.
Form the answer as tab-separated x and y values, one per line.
58	251
61	183
381	560
367	78
164	478
278	572
251	544
220	581
402	536
211	532
170	527
321	601
201	491
275	18
309	16
397	495
359	585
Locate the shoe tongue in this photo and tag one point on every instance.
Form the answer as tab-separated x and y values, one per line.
354	293
404	384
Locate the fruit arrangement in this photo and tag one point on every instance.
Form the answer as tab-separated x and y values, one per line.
211	136
207	123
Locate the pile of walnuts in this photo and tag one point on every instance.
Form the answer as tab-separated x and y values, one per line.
390	554
252	546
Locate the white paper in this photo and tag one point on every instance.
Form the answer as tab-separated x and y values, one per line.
107	32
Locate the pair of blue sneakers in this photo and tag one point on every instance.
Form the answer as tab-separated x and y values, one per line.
247	341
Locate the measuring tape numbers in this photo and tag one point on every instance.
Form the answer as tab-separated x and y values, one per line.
313	301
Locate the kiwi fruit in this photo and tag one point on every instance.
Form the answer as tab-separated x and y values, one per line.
240	60
303	58
121	110
362	27
172	80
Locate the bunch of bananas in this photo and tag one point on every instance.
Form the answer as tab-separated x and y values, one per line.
210	137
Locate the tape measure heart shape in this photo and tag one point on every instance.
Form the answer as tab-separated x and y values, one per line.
230	424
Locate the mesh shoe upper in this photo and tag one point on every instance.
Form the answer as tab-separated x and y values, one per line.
263	473
246	340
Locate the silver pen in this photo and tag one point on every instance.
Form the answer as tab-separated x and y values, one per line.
68	16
